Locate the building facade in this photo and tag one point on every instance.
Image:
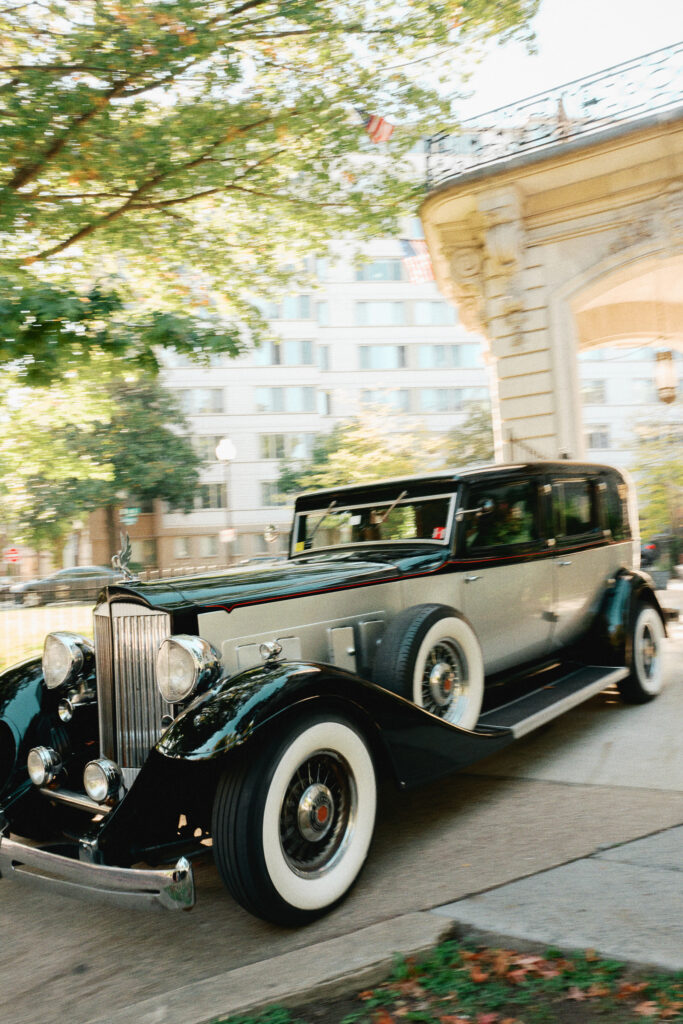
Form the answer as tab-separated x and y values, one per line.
362	336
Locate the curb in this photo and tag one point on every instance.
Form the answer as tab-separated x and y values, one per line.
321	971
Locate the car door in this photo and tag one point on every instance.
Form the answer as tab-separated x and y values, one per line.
507	584
581	562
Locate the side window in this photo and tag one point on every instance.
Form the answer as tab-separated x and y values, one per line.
615	497
575	508
501	515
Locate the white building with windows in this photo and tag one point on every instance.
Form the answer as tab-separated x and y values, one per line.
364	335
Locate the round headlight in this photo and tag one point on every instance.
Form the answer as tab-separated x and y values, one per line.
184	663
43	765
65	656
102	780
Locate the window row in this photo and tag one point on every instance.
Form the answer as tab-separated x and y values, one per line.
383	356
635	391
426	400
374	313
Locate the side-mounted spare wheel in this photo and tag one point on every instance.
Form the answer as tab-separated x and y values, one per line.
292	826
430	655
644	656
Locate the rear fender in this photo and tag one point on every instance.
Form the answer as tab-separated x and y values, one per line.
618	610
415	744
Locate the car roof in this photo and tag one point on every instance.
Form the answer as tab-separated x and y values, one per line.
421	485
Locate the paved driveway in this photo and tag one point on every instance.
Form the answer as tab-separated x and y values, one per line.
602	774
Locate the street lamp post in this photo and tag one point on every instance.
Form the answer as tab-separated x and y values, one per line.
225	453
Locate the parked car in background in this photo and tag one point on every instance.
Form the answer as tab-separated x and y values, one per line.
6	583
658	550
80	583
417	626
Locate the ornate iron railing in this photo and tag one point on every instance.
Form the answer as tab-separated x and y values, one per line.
628	92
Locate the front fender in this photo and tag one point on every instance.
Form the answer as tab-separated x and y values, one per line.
22	696
415	744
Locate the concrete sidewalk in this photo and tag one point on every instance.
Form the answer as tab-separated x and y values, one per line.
625	902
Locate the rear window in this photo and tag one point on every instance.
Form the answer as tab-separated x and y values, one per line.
575	508
616	507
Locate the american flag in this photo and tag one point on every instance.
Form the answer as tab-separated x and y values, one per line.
377	128
416	260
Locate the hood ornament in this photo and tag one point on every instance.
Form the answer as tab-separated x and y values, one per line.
120	561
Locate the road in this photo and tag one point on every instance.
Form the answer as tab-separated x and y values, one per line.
605	773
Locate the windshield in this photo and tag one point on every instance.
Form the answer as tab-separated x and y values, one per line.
402	519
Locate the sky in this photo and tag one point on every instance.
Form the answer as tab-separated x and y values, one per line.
574	38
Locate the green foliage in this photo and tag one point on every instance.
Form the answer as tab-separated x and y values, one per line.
369	447
658	470
68	450
188	148
472	441
50	331
460	983
365	448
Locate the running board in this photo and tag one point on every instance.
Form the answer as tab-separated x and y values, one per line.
527	713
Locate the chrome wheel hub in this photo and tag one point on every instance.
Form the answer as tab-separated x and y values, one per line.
649	652
315	813
444	685
317	818
445	681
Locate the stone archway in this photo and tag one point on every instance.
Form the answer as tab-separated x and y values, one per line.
557	250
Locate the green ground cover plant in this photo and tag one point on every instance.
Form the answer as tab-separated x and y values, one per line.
462	983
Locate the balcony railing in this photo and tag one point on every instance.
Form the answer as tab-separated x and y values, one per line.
589	106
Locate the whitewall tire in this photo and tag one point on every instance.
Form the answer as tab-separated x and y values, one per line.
430	655
292	829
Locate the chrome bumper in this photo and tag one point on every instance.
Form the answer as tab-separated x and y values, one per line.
172	888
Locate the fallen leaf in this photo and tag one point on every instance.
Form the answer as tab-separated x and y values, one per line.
517	977
646	1009
590	955
455	1020
410	988
597	990
488	1018
478	976
368	994
382	1017
630	988
577	994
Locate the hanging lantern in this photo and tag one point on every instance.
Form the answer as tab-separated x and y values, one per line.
665	377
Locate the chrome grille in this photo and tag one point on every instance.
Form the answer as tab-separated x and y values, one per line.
127	638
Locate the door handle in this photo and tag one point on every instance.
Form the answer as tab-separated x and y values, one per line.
565	563
471	579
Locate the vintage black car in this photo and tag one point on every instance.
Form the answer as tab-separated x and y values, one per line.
417	626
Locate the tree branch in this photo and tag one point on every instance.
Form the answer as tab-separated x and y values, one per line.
146	187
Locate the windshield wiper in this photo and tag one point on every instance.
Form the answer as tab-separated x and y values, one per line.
379	522
309	540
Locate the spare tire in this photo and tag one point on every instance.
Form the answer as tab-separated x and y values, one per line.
430	655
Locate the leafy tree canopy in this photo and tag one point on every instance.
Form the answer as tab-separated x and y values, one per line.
67	451
658	470
370	448
186	145
50	331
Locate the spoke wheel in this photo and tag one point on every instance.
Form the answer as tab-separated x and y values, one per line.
318	811
292	827
644	657
430	655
